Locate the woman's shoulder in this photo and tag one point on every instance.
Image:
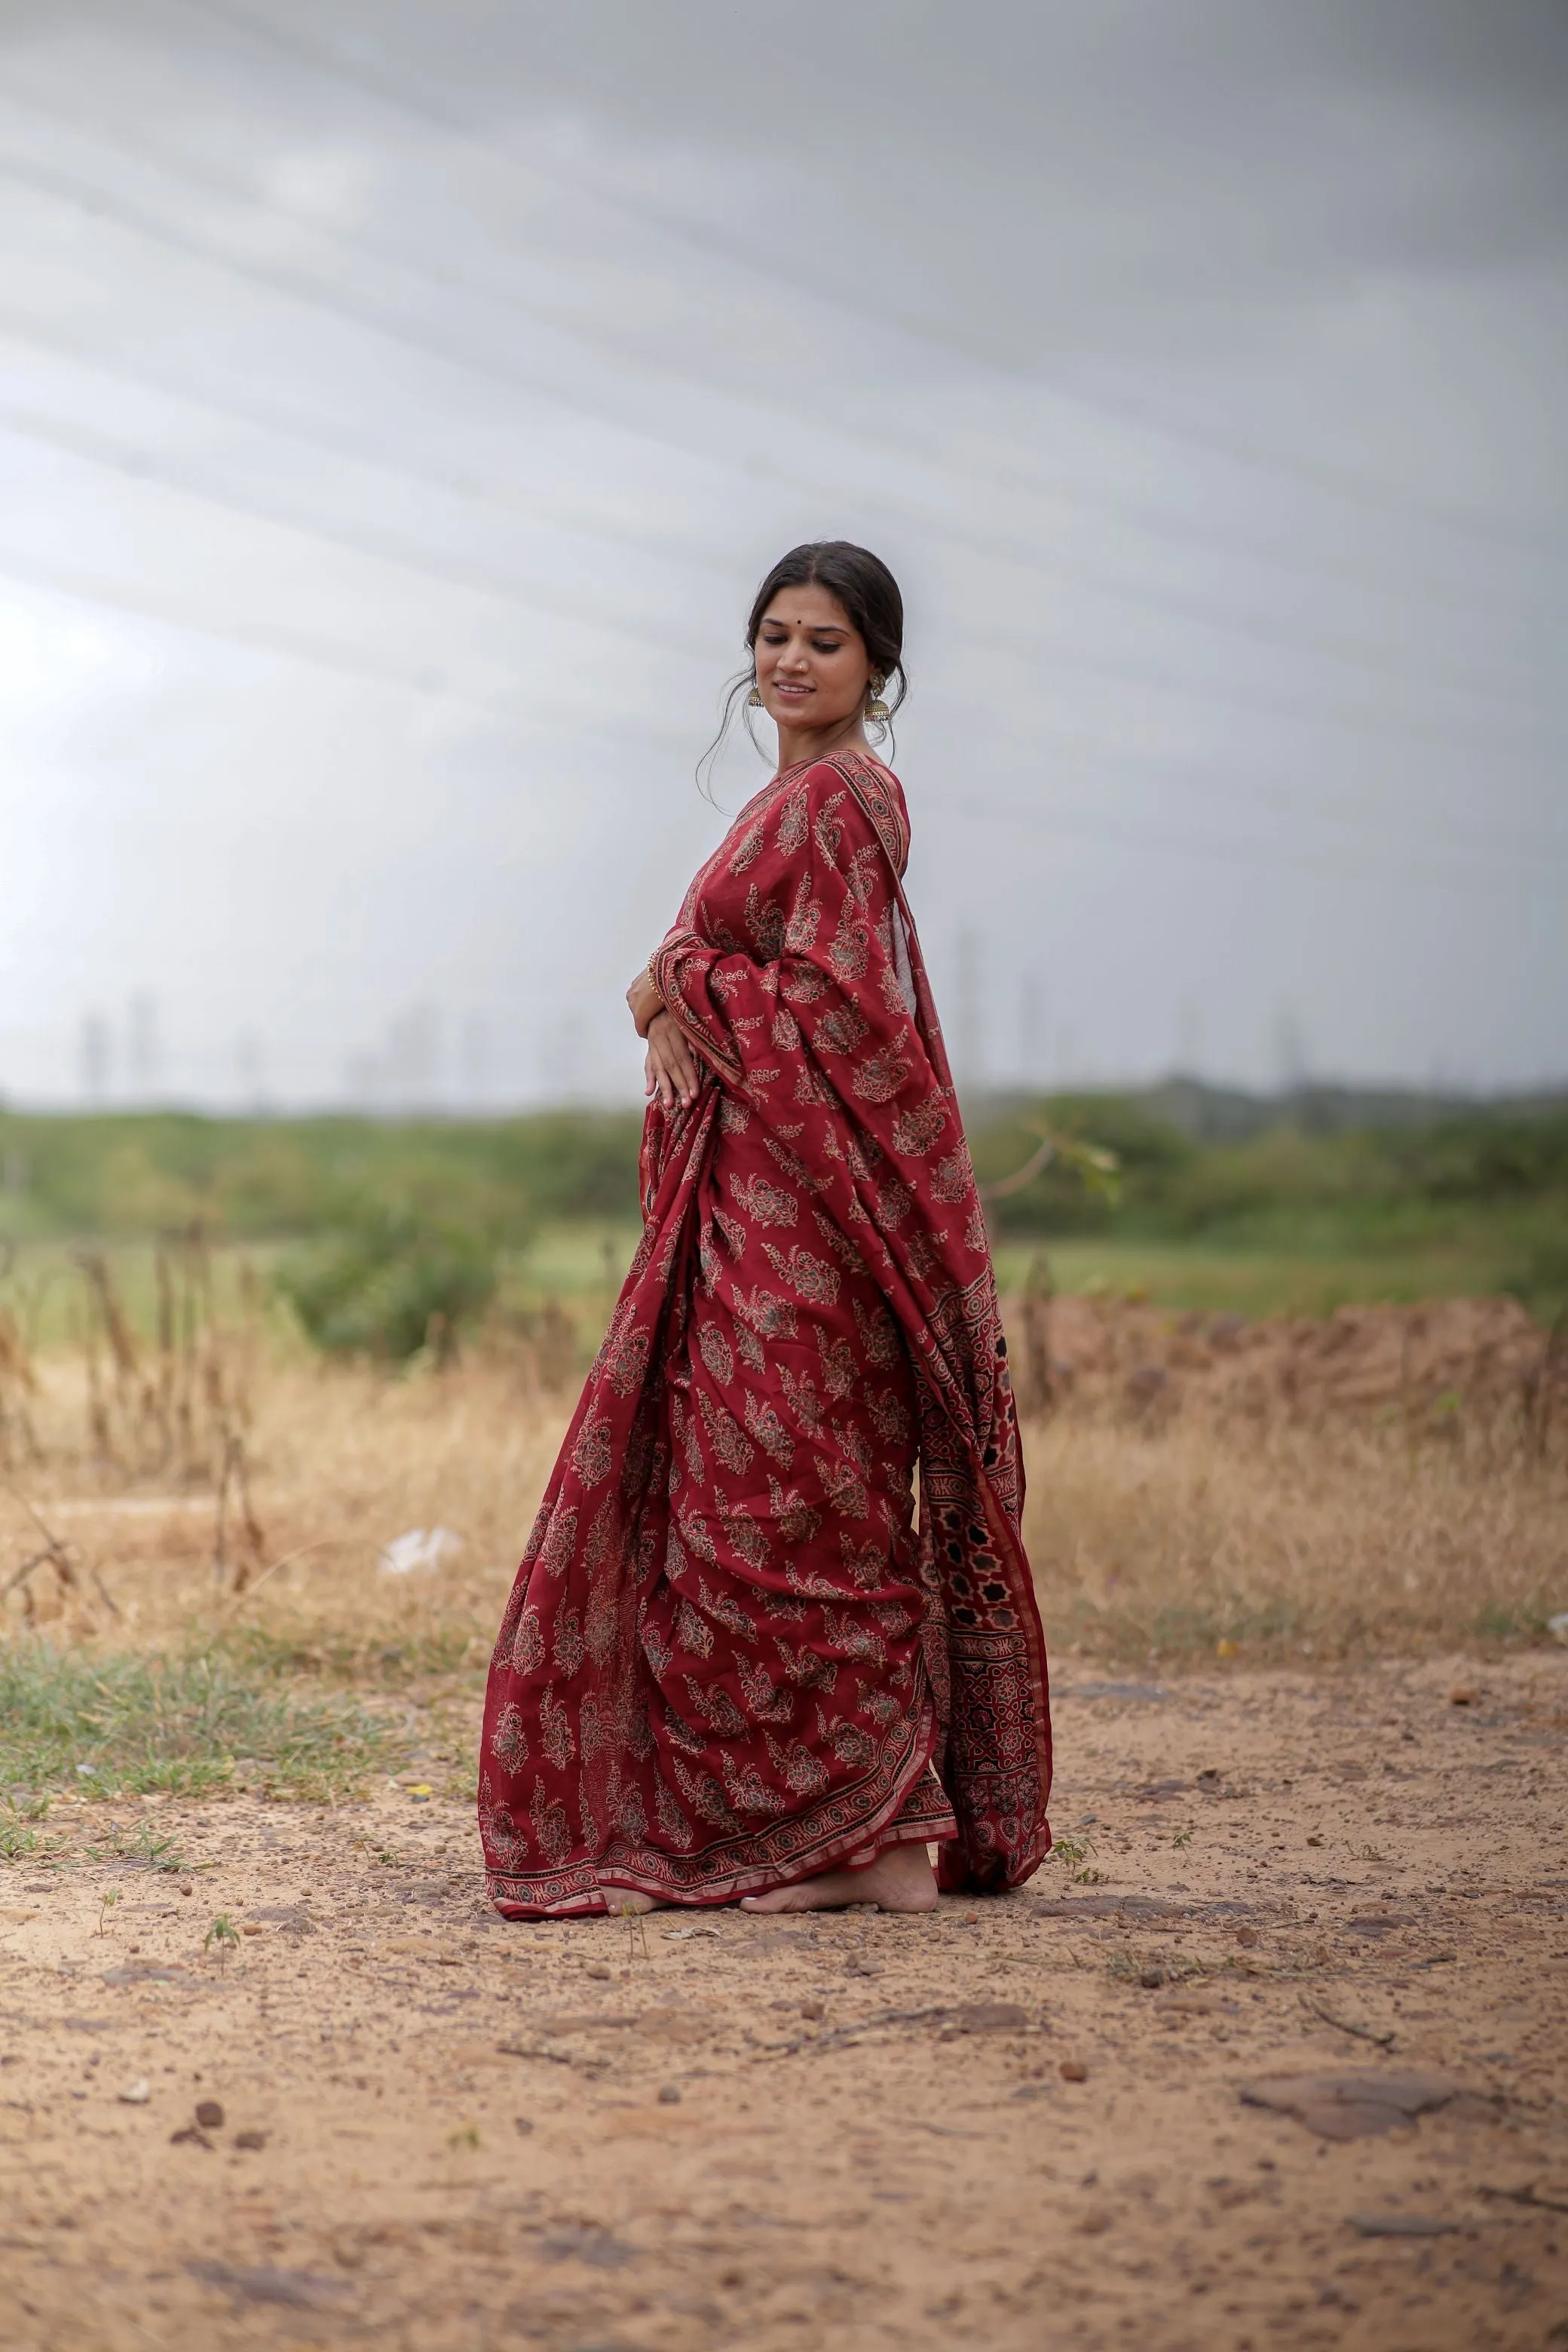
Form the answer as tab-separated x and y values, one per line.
875	789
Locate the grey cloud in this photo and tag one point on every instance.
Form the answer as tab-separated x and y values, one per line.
402	470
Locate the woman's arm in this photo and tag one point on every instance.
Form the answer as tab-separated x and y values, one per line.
670	1068
645	1001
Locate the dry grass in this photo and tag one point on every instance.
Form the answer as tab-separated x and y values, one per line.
1151	1540
1288	1541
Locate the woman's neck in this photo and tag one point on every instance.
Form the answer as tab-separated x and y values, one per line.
798	744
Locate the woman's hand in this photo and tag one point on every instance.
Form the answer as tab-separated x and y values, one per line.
670	1068
645	1001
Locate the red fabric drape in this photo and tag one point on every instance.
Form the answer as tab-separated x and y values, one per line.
729	1659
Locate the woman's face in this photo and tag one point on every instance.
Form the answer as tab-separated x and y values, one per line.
813	669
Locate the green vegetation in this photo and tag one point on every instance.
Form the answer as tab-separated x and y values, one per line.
134	1173
1287	1217
21	1837
393	1283
337	1656
386	1238
145	1846
122	1726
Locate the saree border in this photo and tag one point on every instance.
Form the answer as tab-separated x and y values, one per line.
829	1832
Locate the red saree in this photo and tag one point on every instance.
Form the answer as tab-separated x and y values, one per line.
731	1660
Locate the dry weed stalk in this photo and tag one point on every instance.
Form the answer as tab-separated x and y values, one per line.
18	1378
1274	1498
56	1554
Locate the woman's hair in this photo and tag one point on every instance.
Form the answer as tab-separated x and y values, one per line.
870	594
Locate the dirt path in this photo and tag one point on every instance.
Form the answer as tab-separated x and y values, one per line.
1018	2125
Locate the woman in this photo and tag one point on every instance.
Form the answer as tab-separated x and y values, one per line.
732	1666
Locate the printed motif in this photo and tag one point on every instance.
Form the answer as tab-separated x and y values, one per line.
731	1659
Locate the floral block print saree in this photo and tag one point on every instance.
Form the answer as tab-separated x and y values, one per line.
733	1659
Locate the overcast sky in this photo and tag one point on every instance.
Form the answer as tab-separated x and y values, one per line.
400	399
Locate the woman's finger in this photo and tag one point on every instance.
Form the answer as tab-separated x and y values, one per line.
660	1077
684	1062
677	1056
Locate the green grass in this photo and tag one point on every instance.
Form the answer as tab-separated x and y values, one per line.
147	1846
573	1261
340	1657
21	1838
132	1173
1291	1210
122	1726
580	1264
1209	1278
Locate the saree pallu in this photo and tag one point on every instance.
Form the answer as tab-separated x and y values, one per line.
731	1659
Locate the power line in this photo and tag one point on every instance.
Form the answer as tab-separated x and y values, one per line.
1263	792
1138	515
140	466
1240	852
193	481
1188	607
50	575
1340	482
704	237
30	570
352	447
1254	700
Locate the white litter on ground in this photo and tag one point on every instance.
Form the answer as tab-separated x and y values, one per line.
419	1550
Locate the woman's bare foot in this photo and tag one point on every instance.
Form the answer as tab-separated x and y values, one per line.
620	1900
900	1879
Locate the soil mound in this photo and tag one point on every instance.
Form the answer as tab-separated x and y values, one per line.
1432	1359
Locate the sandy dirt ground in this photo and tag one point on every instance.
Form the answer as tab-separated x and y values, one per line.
1030	2122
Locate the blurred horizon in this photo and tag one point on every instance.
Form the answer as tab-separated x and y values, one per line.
399	404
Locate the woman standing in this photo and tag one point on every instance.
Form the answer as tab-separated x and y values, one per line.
732	1667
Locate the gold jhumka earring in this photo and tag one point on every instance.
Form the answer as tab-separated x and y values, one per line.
754	699
876	710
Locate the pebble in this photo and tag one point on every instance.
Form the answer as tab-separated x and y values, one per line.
251	2139
522	2124
600	1970
1073	2070
1400	2225
186	1887
815	2010
135	2094
1151	1978
1463	1696
209	2115
669	2094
